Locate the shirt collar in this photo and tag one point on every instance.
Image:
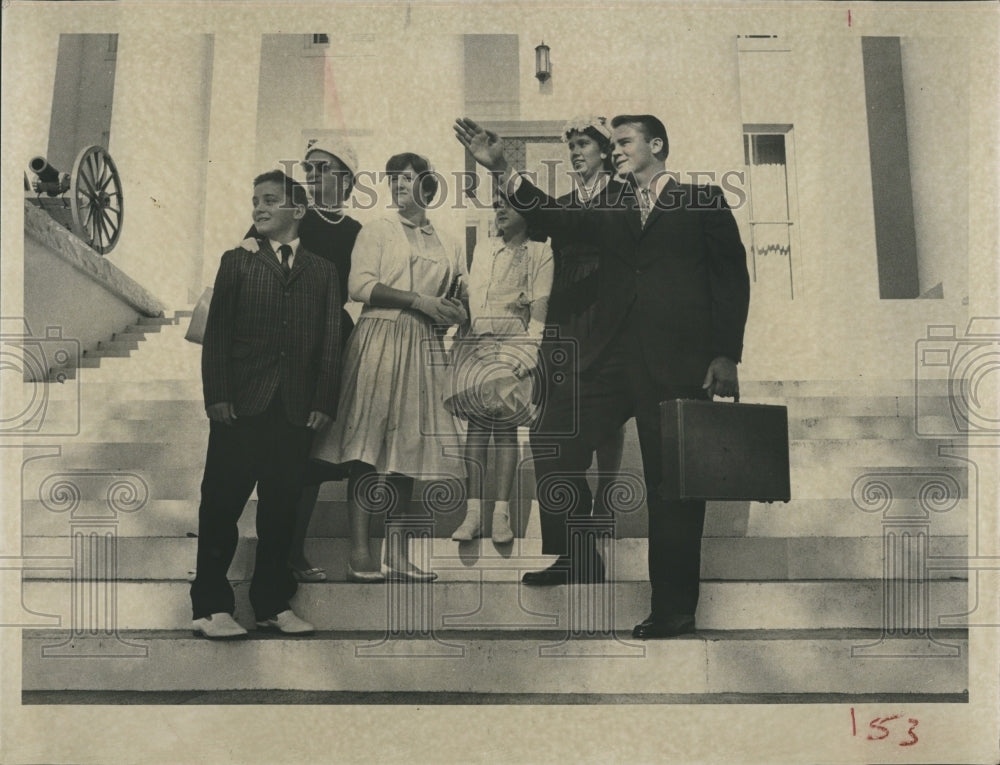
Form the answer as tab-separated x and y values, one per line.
426	228
294	244
656	186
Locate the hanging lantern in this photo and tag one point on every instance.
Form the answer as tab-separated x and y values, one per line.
543	66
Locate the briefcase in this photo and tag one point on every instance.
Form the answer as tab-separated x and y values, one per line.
714	450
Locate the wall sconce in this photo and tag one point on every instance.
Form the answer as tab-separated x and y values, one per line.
543	66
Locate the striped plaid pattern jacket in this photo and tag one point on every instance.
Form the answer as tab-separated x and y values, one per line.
266	330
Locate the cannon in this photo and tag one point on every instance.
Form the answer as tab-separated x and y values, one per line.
88	201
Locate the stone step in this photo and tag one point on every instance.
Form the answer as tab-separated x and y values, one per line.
162	321
803	454
173	431
723	558
840	518
120	343
143	329
807	482
131	335
112	352
826	604
858	387
862	427
800	519
171	363
759	392
803	404
773	662
935	418
860	406
828	517
191	431
63	405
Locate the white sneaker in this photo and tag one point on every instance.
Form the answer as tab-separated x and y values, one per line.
221	626
287	623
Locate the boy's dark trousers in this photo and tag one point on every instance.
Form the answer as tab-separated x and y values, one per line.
268	451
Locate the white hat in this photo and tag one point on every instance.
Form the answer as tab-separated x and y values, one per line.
579	124
336	146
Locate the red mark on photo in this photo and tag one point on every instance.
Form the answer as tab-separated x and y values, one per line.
876	724
848	17
913	736
879	729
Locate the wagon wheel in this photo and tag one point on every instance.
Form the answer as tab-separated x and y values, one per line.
96	199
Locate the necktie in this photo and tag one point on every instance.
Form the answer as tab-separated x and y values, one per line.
286	252
644	205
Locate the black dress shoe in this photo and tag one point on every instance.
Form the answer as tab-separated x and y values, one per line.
664	627
567	571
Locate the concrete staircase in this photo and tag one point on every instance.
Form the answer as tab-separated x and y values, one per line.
119	345
834	593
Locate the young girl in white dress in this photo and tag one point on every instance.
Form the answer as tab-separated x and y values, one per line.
508	294
391	422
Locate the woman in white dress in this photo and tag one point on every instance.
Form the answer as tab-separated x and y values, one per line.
509	287
391	423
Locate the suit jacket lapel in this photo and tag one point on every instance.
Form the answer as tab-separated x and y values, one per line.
270	258
632	214
621	198
666	203
299	265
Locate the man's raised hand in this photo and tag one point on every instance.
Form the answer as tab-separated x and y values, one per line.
485	146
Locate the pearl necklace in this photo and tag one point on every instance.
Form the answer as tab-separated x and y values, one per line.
331	221
586	193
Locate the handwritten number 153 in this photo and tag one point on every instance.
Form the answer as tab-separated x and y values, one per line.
879	728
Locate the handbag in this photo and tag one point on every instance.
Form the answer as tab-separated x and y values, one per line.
199	318
483	384
714	450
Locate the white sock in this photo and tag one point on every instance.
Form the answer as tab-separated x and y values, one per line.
473	513
502	507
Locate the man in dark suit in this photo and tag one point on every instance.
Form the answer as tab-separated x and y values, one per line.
672	304
270	372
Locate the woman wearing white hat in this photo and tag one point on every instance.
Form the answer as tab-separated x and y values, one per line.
572	303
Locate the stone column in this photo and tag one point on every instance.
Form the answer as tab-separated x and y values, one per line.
158	142
231	140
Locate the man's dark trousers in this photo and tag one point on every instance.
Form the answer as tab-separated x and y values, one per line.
266	451
616	387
